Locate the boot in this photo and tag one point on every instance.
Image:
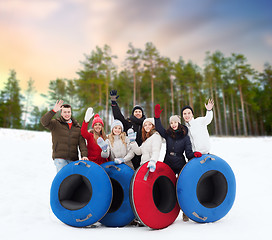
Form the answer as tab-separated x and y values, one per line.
185	218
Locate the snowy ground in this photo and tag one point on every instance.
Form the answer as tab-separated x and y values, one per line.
26	173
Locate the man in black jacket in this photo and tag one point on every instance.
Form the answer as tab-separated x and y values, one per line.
135	121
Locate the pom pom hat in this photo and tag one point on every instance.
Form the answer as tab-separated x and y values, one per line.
97	119
149	120
175	118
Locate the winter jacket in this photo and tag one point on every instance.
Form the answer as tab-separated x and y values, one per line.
120	150
150	148
65	141
175	147
199	134
131	122
94	151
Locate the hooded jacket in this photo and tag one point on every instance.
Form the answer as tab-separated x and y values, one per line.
175	147
65	141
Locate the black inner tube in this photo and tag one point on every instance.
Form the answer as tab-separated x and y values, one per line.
75	192
118	196
212	189
164	195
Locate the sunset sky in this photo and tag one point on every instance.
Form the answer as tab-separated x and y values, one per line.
47	39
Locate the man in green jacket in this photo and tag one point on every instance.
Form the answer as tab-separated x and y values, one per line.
66	135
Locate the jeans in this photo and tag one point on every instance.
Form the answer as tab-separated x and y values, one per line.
60	163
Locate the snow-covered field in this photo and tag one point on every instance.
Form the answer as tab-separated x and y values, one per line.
27	170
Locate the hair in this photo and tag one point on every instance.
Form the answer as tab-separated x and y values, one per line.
66	106
146	135
172	132
122	136
101	134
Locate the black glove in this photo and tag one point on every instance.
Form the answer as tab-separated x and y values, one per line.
114	96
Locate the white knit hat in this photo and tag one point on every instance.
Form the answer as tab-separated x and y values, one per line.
175	118
117	123
149	120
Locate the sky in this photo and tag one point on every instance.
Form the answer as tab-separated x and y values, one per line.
47	39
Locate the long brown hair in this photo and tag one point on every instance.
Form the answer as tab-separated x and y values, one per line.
122	136
101	134
146	135
181	129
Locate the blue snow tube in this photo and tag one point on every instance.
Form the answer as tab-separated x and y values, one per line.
206	188
81	193
120	212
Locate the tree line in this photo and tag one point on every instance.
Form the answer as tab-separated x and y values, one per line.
242	95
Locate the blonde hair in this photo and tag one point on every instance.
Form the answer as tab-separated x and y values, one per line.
122	137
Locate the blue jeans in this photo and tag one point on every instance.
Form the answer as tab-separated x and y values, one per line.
60	163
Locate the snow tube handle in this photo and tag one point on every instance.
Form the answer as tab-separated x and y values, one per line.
86	164
201	218
82	220
117	168
204	160
146	175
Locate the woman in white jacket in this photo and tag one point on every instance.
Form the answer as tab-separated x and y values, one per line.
151	146
118	148
198	131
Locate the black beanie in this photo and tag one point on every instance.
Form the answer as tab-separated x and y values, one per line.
186	108
137	107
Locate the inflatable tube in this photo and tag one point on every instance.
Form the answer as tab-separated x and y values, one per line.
206	188
120	212
81	193
153	196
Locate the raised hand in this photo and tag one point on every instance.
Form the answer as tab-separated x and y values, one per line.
131	135
158	110
58	105
89	114
210	104
114	96
102	144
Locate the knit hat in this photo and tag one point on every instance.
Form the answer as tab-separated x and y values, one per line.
149	120
117	123
137	107
175	118
186	108
97	119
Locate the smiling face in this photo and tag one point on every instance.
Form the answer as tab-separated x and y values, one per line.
148	126
138	113
97	127
187	115
117	130
66	113
174	125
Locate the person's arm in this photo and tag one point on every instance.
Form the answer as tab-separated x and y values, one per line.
130	153
156	147
159	127
84	131
135	148
188	148
82	147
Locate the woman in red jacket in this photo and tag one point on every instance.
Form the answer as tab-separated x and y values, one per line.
97	132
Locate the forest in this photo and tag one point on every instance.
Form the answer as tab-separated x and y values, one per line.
242	95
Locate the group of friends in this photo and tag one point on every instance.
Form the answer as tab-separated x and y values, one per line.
132	141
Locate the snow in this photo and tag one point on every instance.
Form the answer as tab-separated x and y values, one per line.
27	171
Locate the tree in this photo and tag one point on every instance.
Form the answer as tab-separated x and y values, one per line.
11	109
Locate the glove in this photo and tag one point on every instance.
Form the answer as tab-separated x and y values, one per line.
114	96
102	144
89	114
151	165
197	154
131	135
119	160
158	111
